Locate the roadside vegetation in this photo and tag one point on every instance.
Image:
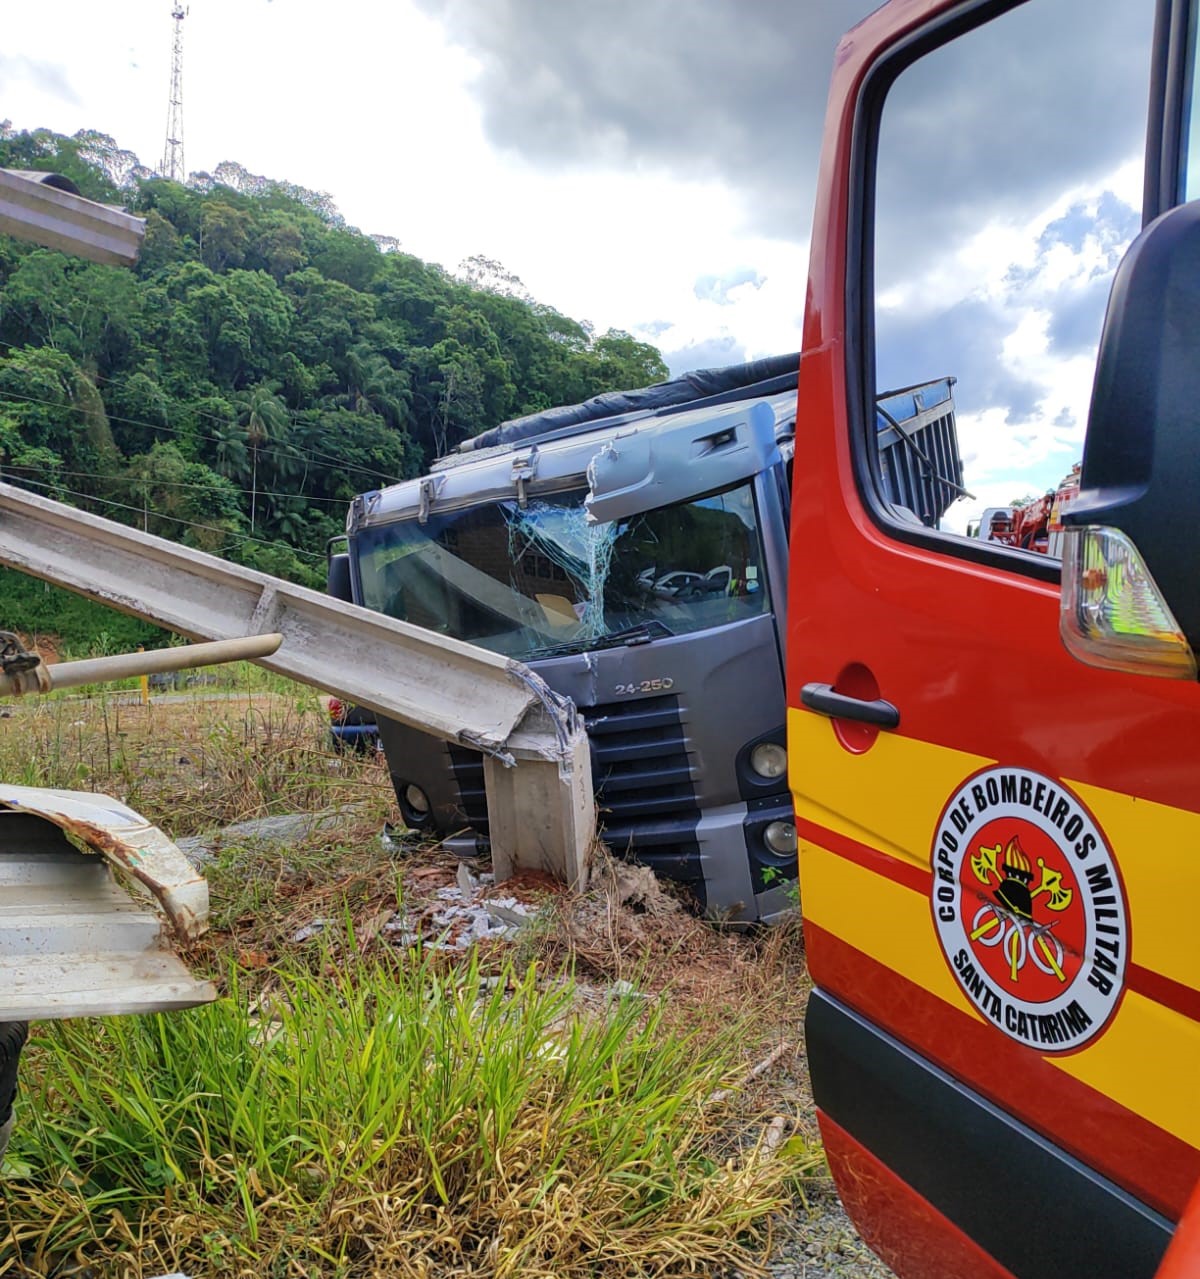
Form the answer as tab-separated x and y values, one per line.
614	1089
576	1101
262	364
210	749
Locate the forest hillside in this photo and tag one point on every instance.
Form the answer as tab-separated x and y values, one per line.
263	363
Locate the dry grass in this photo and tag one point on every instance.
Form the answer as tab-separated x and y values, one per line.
202	761
395	1117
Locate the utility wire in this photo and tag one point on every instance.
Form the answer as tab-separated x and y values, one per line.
174	484
199	435
208	528
315	454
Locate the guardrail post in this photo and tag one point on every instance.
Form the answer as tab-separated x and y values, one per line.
541	813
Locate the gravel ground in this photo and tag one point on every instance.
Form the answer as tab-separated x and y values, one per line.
822	1244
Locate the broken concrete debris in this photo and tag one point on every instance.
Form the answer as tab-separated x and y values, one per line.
310	930
464	914
456	917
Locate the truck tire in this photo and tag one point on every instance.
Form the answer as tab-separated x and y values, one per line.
12	1040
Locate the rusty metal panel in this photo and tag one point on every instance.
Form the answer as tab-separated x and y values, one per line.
72	941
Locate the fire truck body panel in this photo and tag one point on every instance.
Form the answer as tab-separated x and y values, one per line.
953	1106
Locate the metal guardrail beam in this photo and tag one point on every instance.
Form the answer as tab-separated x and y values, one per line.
542	812
104	670
72	942
45	209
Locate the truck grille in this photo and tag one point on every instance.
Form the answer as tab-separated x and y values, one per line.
642	773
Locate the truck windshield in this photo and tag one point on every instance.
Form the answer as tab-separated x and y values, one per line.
539	581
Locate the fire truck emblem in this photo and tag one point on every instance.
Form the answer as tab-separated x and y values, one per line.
1029	908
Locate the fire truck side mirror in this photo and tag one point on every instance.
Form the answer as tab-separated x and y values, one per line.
1141	462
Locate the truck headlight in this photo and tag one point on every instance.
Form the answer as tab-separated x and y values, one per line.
769	760
780	838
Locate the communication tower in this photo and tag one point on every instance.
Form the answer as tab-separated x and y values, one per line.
172	161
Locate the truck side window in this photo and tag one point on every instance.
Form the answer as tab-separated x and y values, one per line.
1007	185
1190	157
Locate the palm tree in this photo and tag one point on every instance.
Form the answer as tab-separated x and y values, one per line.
376	387
232	457
290	522
264	418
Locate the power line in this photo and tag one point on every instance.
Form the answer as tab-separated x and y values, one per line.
198	435
293	414
315	454
207	528
176	484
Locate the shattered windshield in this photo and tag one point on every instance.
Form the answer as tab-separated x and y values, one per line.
539	581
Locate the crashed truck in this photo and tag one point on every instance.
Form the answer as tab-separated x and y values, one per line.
632	551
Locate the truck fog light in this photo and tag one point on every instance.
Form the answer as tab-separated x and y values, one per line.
417	800
780	838
769	759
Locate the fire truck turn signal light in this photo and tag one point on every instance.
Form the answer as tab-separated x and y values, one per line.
1113	614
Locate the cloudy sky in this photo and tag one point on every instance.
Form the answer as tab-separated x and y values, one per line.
649	166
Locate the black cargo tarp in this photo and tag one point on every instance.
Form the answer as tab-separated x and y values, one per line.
689	389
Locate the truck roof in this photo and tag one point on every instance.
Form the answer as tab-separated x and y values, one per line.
920	468
559	458
699	388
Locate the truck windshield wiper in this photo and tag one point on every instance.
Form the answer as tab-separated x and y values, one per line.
640	633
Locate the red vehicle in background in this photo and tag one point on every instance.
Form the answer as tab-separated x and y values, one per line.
352	727
990	739
1033	525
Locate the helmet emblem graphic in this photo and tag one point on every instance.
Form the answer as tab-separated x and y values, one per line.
1028	908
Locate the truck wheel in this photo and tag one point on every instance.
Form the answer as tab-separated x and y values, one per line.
12	1040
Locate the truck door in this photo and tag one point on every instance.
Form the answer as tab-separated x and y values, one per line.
999	845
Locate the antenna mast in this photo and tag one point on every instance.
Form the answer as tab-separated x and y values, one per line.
172	161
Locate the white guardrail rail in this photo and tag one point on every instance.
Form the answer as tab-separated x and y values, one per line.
71	941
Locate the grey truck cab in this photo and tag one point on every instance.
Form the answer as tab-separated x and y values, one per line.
632	551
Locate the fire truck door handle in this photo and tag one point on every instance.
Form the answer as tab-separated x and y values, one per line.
822	699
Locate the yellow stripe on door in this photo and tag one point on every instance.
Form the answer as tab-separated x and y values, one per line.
891	797
1145	1060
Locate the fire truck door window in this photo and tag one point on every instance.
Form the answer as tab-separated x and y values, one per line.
1008	169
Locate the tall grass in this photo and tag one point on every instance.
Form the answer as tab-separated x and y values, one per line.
192	764
402	1120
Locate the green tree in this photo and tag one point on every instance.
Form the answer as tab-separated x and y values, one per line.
182	500
265	342
224	234
626	362
232	455
264	419
52	406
